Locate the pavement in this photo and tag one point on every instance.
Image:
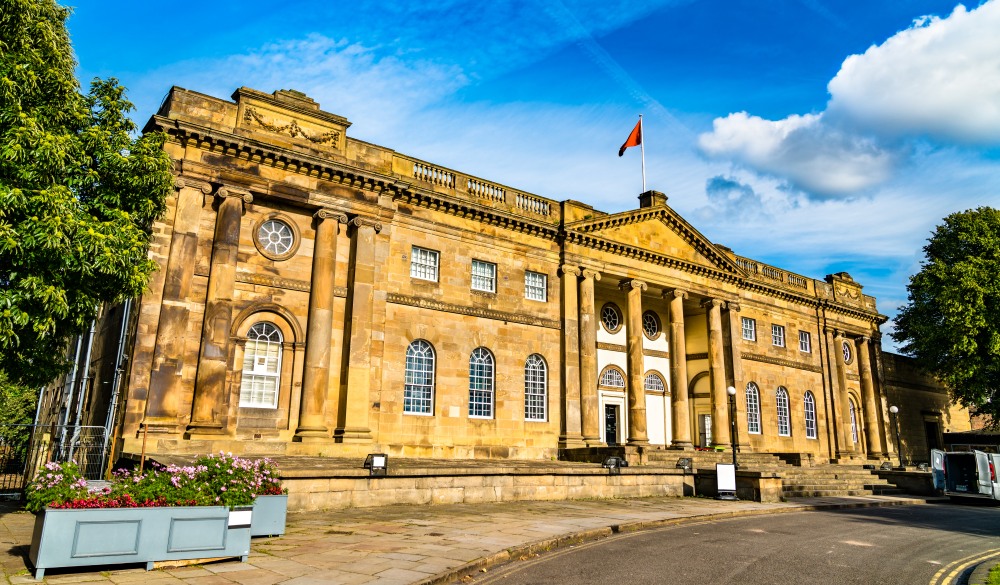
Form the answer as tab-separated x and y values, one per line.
410	545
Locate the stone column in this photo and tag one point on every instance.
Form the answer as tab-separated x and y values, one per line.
733	327
361	297
166	377
717	373
572	436
678	372
316	377
589	404
210	397
875	448
841	426
837	354
633	348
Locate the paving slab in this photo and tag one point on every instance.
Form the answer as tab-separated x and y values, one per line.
410	545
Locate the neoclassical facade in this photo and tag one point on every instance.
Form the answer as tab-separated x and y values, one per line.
318	294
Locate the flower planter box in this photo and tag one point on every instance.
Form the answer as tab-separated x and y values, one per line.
109	536
269	514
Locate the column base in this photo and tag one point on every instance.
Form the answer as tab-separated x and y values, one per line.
681	446
352	435
637	443
311	435
593	442
572	442
209	430
162	426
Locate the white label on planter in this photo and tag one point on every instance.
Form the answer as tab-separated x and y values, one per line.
239	518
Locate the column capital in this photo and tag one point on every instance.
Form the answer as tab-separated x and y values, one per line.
236	192
674	293
362	221
568	269
709	303
182	182
324	213
630	284
733	306
590	274
862	340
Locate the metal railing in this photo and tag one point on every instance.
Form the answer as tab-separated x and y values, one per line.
24	449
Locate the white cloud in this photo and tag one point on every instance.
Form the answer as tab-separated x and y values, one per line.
940	78
812	155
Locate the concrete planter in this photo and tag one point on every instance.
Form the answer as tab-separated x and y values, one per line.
269	514
109	536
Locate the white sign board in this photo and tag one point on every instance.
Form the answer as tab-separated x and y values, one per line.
726	474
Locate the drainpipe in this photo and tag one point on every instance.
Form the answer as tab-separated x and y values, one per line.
83	387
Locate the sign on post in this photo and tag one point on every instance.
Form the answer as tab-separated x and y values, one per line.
725	475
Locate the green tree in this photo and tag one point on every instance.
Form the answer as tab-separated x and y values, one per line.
78	193
951	324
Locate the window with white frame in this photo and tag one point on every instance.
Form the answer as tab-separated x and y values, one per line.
484	276
424	264
778	335
261	367
536	286
611	318
418	393
809	402
612	378
654	383
749	329
651	324
784	416
535	387
481	383
854	421
805	342
753	409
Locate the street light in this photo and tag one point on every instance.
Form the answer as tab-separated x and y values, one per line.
894	411
734	433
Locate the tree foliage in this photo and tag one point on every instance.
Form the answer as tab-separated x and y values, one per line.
952	321
78	193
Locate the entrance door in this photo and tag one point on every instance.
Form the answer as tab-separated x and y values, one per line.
705	429
611	423
932	429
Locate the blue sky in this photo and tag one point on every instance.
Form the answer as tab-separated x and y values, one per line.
816	135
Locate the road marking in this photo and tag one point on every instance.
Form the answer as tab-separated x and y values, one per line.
947	574
856	543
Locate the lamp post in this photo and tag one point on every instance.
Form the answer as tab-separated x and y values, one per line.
894	411
734	433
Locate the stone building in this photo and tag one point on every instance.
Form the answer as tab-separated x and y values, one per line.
318	294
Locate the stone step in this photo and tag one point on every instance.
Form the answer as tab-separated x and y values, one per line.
824	493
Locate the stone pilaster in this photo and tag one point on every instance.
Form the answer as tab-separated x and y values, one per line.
361	297
210	396
572	435
678	372
589	403
849	447
733	328
875	448
633	348
165	381
316	377
717	372
839	427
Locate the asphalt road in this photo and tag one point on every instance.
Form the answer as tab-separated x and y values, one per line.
905	545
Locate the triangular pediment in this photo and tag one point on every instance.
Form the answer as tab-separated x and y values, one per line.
659	231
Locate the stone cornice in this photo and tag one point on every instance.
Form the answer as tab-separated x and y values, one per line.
272	281
754	357
435	305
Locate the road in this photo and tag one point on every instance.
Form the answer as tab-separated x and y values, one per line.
905	545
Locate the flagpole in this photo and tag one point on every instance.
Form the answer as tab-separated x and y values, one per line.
642	150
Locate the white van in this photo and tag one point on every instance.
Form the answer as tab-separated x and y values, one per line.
966	474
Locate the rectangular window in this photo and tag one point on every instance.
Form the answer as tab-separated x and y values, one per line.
424	264
749	329
484	276
535	286
805	342
778	335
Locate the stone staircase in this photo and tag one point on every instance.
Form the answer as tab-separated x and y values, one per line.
822	480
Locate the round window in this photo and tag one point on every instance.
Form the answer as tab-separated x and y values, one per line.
611	318
650	324
847	352
276	238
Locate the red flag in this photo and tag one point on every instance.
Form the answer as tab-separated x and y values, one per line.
634	139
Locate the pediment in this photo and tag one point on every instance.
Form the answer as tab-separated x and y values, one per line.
660	231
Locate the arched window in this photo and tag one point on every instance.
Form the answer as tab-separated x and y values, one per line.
784	423
854	421
753	409
261	367
535	387
654	383
418	394
809	402
481	383
612	378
